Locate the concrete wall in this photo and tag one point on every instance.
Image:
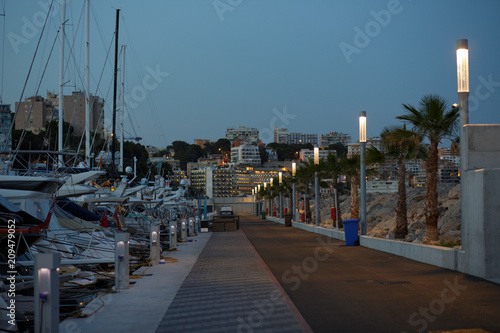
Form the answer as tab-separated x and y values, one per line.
482	147
481	230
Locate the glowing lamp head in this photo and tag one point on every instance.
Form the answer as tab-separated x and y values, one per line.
316	155
280	175
271	181
258	187
463	65
294	169
362	126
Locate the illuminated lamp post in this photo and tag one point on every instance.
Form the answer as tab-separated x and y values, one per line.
316	185
280	179
362	145
294	170
463	99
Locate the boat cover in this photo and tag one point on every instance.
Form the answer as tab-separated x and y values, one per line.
77	210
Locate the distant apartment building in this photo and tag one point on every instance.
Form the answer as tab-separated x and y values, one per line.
245	154
5	123
214	161
281	135
234	181
354	149
447	154
272	155
36	111
308	154
299	138
242	136
33	113
334	137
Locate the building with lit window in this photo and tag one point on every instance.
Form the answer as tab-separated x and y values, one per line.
281	135
5	123
299	138
242	136
245	154
306	154
334	137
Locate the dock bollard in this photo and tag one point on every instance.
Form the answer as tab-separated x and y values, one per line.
192	230
122	268
184	236
47	292
154	244
173	235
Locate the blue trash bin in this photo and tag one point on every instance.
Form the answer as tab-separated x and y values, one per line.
351	232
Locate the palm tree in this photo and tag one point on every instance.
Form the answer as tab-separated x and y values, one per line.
305	175
331	167
351	168
400	145
434	120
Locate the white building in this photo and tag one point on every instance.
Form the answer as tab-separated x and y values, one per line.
299	138
306	154
242	135
281	135
334	137
245	154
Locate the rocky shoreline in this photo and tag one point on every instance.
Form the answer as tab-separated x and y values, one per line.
381	214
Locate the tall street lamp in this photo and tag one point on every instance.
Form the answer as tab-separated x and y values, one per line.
280	179
294	170
265	199
463	99
362	146
272	199
316	185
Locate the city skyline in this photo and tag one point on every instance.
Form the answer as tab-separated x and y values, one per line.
195	69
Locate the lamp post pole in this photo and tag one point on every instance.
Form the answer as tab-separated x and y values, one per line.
265	200
281	194
362	145
294	169
316	185
463	99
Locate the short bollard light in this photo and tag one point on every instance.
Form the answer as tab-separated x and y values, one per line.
184	231
155	244
122	269
47	292
173	236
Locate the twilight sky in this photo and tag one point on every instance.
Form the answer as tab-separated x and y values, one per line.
195	68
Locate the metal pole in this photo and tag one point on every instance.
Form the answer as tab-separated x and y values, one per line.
87	82
122	109
362	207
113	135
281	205
293	201
316	194
336	209
61	83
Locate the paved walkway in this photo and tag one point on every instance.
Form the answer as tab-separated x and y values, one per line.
230	290
270	278
141	307
340	288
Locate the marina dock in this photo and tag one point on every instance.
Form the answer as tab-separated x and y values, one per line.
266	277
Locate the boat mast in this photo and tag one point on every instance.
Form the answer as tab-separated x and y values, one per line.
113	135
61	83
87	83
122	108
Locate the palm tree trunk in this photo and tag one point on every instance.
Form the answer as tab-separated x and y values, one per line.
335	184
308	204
401	211
354	198
431	192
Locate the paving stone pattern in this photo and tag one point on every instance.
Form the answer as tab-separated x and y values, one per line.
228	290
